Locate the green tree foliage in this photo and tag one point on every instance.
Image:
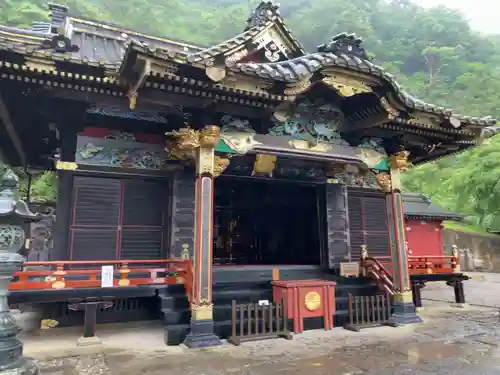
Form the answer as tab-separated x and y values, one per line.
432	52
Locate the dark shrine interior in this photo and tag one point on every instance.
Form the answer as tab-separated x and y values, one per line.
265	222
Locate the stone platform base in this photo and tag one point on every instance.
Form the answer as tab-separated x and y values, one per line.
87	341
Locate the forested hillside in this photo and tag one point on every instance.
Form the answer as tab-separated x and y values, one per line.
433	53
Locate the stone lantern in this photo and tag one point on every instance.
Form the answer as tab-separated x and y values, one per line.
14	215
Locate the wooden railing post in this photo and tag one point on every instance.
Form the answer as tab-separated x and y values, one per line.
362	257
276	274
59	282
455	261
429	267
124	271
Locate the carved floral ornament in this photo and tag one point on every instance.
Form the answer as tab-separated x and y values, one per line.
345	86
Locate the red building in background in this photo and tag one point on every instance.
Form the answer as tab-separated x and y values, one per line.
424	229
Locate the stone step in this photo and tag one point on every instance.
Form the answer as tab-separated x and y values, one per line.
176	333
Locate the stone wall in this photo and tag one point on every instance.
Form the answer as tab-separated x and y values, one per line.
477	252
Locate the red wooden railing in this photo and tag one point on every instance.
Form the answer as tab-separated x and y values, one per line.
380	268
376	270
437	264
434	265
87	274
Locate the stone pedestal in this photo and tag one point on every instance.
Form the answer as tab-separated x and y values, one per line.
11	348
202	334
405	311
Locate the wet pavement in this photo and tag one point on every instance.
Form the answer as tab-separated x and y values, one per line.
482	290
452	341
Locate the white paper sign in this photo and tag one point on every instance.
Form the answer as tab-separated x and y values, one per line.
263	302
107	276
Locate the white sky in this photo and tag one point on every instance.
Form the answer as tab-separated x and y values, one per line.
482	14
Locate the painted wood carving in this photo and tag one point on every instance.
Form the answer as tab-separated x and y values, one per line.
312	123
121	150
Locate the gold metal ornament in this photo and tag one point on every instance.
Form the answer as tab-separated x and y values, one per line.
202	311
264	164
312	301
209	136
346	87
185	251
220	165
187	138
384	181
205	160
399	161
185	141
132	100
66	166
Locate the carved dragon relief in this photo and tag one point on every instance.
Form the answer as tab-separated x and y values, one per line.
314	128
351	175
311	123
184	142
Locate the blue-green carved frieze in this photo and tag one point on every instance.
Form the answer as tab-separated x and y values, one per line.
312	123
353	176
119	151
236	125
111	111
311	130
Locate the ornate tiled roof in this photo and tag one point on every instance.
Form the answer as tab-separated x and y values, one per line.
231	44
264	16
300	68
268	11
92	42
95	43
95	48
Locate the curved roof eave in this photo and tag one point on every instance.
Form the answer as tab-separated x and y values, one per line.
300	68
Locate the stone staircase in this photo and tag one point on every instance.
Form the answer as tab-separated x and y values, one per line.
249	285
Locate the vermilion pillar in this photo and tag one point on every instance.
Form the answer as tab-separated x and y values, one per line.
202	324
404	308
